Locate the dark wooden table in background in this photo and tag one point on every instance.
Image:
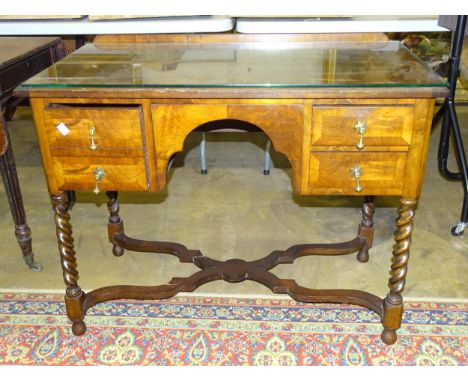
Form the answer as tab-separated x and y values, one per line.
20	59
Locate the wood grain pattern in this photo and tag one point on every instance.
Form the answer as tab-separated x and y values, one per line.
115	128
388	125
120	136
38	106
329	173
282	123
150	149
167	123
417	154
77	173
239	37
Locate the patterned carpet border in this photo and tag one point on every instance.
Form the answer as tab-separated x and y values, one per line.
197	330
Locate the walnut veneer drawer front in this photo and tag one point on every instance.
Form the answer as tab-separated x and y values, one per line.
94	131
100	174
371	173
96	147
361	126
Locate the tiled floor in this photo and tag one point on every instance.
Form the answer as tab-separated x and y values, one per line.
234	211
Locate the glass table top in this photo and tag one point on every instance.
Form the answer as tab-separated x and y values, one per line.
278	65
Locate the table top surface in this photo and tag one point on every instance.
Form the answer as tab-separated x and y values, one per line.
221	65
13	49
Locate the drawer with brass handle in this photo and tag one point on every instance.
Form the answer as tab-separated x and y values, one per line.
362	126
369	173
94	131
100	174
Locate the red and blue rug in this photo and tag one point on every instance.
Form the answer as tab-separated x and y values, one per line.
34	330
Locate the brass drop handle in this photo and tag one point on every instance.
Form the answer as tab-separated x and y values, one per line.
99	174
92	145
360	128
357	172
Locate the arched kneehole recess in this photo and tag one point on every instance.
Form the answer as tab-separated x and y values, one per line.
283	124
229	130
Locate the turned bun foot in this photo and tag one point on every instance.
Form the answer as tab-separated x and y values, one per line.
389	336
78	328
363	255
117	251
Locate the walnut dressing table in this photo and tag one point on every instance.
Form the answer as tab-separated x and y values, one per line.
353	118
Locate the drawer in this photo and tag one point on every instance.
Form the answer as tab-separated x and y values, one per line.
122	174
95	131
335	125
382	173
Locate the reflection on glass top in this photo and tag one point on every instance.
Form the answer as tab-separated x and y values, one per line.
306	65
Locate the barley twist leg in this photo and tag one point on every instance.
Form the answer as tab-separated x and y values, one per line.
74	296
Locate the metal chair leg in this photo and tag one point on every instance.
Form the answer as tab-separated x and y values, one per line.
267	161
203	168
450	125
459	228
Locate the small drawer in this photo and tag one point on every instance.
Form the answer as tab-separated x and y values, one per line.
122	174
341	125
95	131
378	173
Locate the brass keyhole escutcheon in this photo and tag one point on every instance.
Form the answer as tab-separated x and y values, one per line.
360	128
357	172
99	174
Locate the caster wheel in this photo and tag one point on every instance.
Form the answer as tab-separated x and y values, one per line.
457	230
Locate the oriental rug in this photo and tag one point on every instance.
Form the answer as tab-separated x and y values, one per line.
197	330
